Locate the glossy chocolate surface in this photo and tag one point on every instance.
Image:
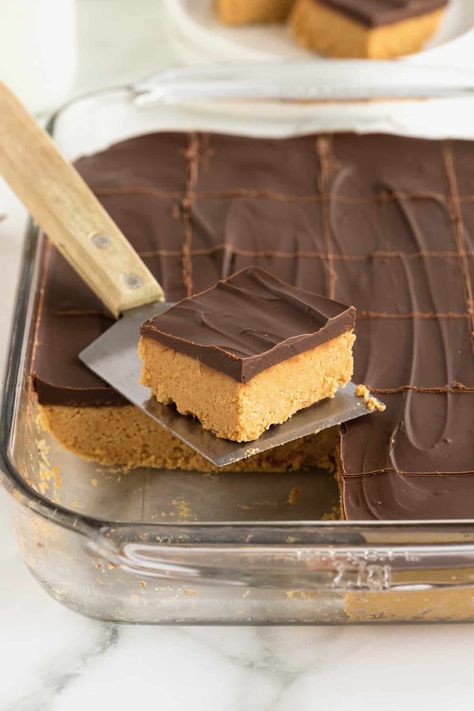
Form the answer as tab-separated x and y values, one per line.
375	13
381	222
248	323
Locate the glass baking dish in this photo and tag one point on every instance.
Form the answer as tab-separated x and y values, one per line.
169	547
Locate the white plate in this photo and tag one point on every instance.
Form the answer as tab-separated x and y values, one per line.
199	36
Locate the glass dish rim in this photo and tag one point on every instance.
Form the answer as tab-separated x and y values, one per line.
24	494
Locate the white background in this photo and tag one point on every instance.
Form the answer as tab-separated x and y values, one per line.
54	660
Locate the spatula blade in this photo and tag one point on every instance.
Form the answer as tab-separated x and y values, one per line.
114	358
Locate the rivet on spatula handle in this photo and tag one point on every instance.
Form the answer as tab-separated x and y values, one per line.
68	211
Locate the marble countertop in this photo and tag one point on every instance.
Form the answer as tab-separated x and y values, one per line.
54	660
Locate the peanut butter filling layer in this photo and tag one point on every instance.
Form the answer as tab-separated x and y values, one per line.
243	411
126	437
246	12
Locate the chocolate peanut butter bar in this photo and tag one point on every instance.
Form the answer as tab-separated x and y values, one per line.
375	29
383	222
248	353
246	12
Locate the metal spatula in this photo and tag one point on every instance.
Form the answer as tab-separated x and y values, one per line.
74	220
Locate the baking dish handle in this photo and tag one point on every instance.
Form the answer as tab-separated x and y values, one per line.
326	80
309	567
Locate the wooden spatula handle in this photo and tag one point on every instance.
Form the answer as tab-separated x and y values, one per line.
70	214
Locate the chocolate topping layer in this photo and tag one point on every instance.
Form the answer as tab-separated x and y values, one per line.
383	12
381	222
248	323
